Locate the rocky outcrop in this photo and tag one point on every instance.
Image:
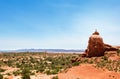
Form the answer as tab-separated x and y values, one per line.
110	48
96	46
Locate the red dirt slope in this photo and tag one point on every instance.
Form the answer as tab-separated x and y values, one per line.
87	71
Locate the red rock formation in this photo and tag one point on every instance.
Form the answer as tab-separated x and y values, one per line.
110	48
96	46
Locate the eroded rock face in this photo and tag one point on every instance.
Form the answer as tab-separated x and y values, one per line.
110	48
95	45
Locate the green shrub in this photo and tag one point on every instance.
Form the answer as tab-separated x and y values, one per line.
2	70
26	76
55	71
41	69
105	58
25	73
118	52
16	73
1	76
48	72
9	74
76	63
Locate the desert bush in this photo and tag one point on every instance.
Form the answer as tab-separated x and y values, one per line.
76	63
55	71
26	76
41	69
36	61
16	73
1	76
2	70
118	52
48	72
25	73
105	58
8	74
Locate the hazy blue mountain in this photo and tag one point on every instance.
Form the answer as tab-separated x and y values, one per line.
44	50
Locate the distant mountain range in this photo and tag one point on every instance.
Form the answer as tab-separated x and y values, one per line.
44	50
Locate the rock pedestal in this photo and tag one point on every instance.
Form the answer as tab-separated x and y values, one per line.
95	45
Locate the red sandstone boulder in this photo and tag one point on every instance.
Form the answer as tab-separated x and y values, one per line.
96	46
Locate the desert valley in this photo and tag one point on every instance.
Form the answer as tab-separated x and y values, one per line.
45	65
59	39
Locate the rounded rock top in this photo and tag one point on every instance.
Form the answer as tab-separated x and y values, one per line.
95	35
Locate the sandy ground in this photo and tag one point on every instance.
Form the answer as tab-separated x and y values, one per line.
8	69
40	76
84	71
87	71
37	76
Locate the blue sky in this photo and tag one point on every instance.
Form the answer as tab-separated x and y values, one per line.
64	24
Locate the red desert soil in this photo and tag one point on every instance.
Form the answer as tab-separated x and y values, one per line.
87	71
